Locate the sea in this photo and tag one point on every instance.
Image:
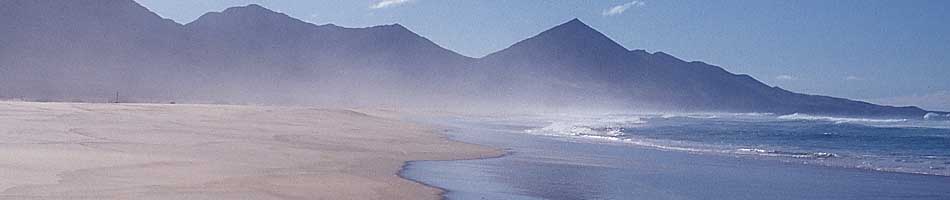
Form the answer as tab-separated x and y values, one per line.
694	156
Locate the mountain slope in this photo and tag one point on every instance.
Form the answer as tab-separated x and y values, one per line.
90	49
592	63
95	46
279	56
254	30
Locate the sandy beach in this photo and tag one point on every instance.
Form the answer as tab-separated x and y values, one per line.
151	151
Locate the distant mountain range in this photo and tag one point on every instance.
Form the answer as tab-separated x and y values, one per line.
87	50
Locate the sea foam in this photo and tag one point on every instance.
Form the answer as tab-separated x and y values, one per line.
799	116
766	136
607	127
936	116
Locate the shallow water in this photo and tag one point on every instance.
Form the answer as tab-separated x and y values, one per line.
599	164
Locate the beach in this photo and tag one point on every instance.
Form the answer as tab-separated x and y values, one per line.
154	151
164	151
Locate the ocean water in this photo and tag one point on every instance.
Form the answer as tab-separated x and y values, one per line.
894	145
695	156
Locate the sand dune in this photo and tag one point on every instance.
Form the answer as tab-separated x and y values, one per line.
138	151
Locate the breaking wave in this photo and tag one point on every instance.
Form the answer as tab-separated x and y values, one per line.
608	127
799	116
766	136
694	116
764	152
936	116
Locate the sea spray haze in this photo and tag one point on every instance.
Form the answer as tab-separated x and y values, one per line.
89	50
581	116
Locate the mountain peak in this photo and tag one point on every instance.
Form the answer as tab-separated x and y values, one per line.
579	35
249	15
576	23
575	26
255	6
395	26
248	9
571	36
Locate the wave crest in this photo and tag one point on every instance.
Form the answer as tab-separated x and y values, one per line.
764	152
607	127
838	120
936	116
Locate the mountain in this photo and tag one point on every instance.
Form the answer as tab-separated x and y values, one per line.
89	49
576	55
258	48
254	30
66	49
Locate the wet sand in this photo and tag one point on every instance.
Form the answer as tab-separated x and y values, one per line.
150	151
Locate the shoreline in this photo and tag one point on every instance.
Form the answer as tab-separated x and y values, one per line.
443	191
500	152
556	168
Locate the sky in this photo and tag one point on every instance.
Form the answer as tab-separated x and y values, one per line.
891	52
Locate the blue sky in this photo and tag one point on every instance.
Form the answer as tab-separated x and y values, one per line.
894	52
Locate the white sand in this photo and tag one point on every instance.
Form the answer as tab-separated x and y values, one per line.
132	151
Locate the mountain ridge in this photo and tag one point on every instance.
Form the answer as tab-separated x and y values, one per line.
254	54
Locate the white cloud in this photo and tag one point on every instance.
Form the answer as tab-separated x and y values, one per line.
388	3
619	9
785	77
853	78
